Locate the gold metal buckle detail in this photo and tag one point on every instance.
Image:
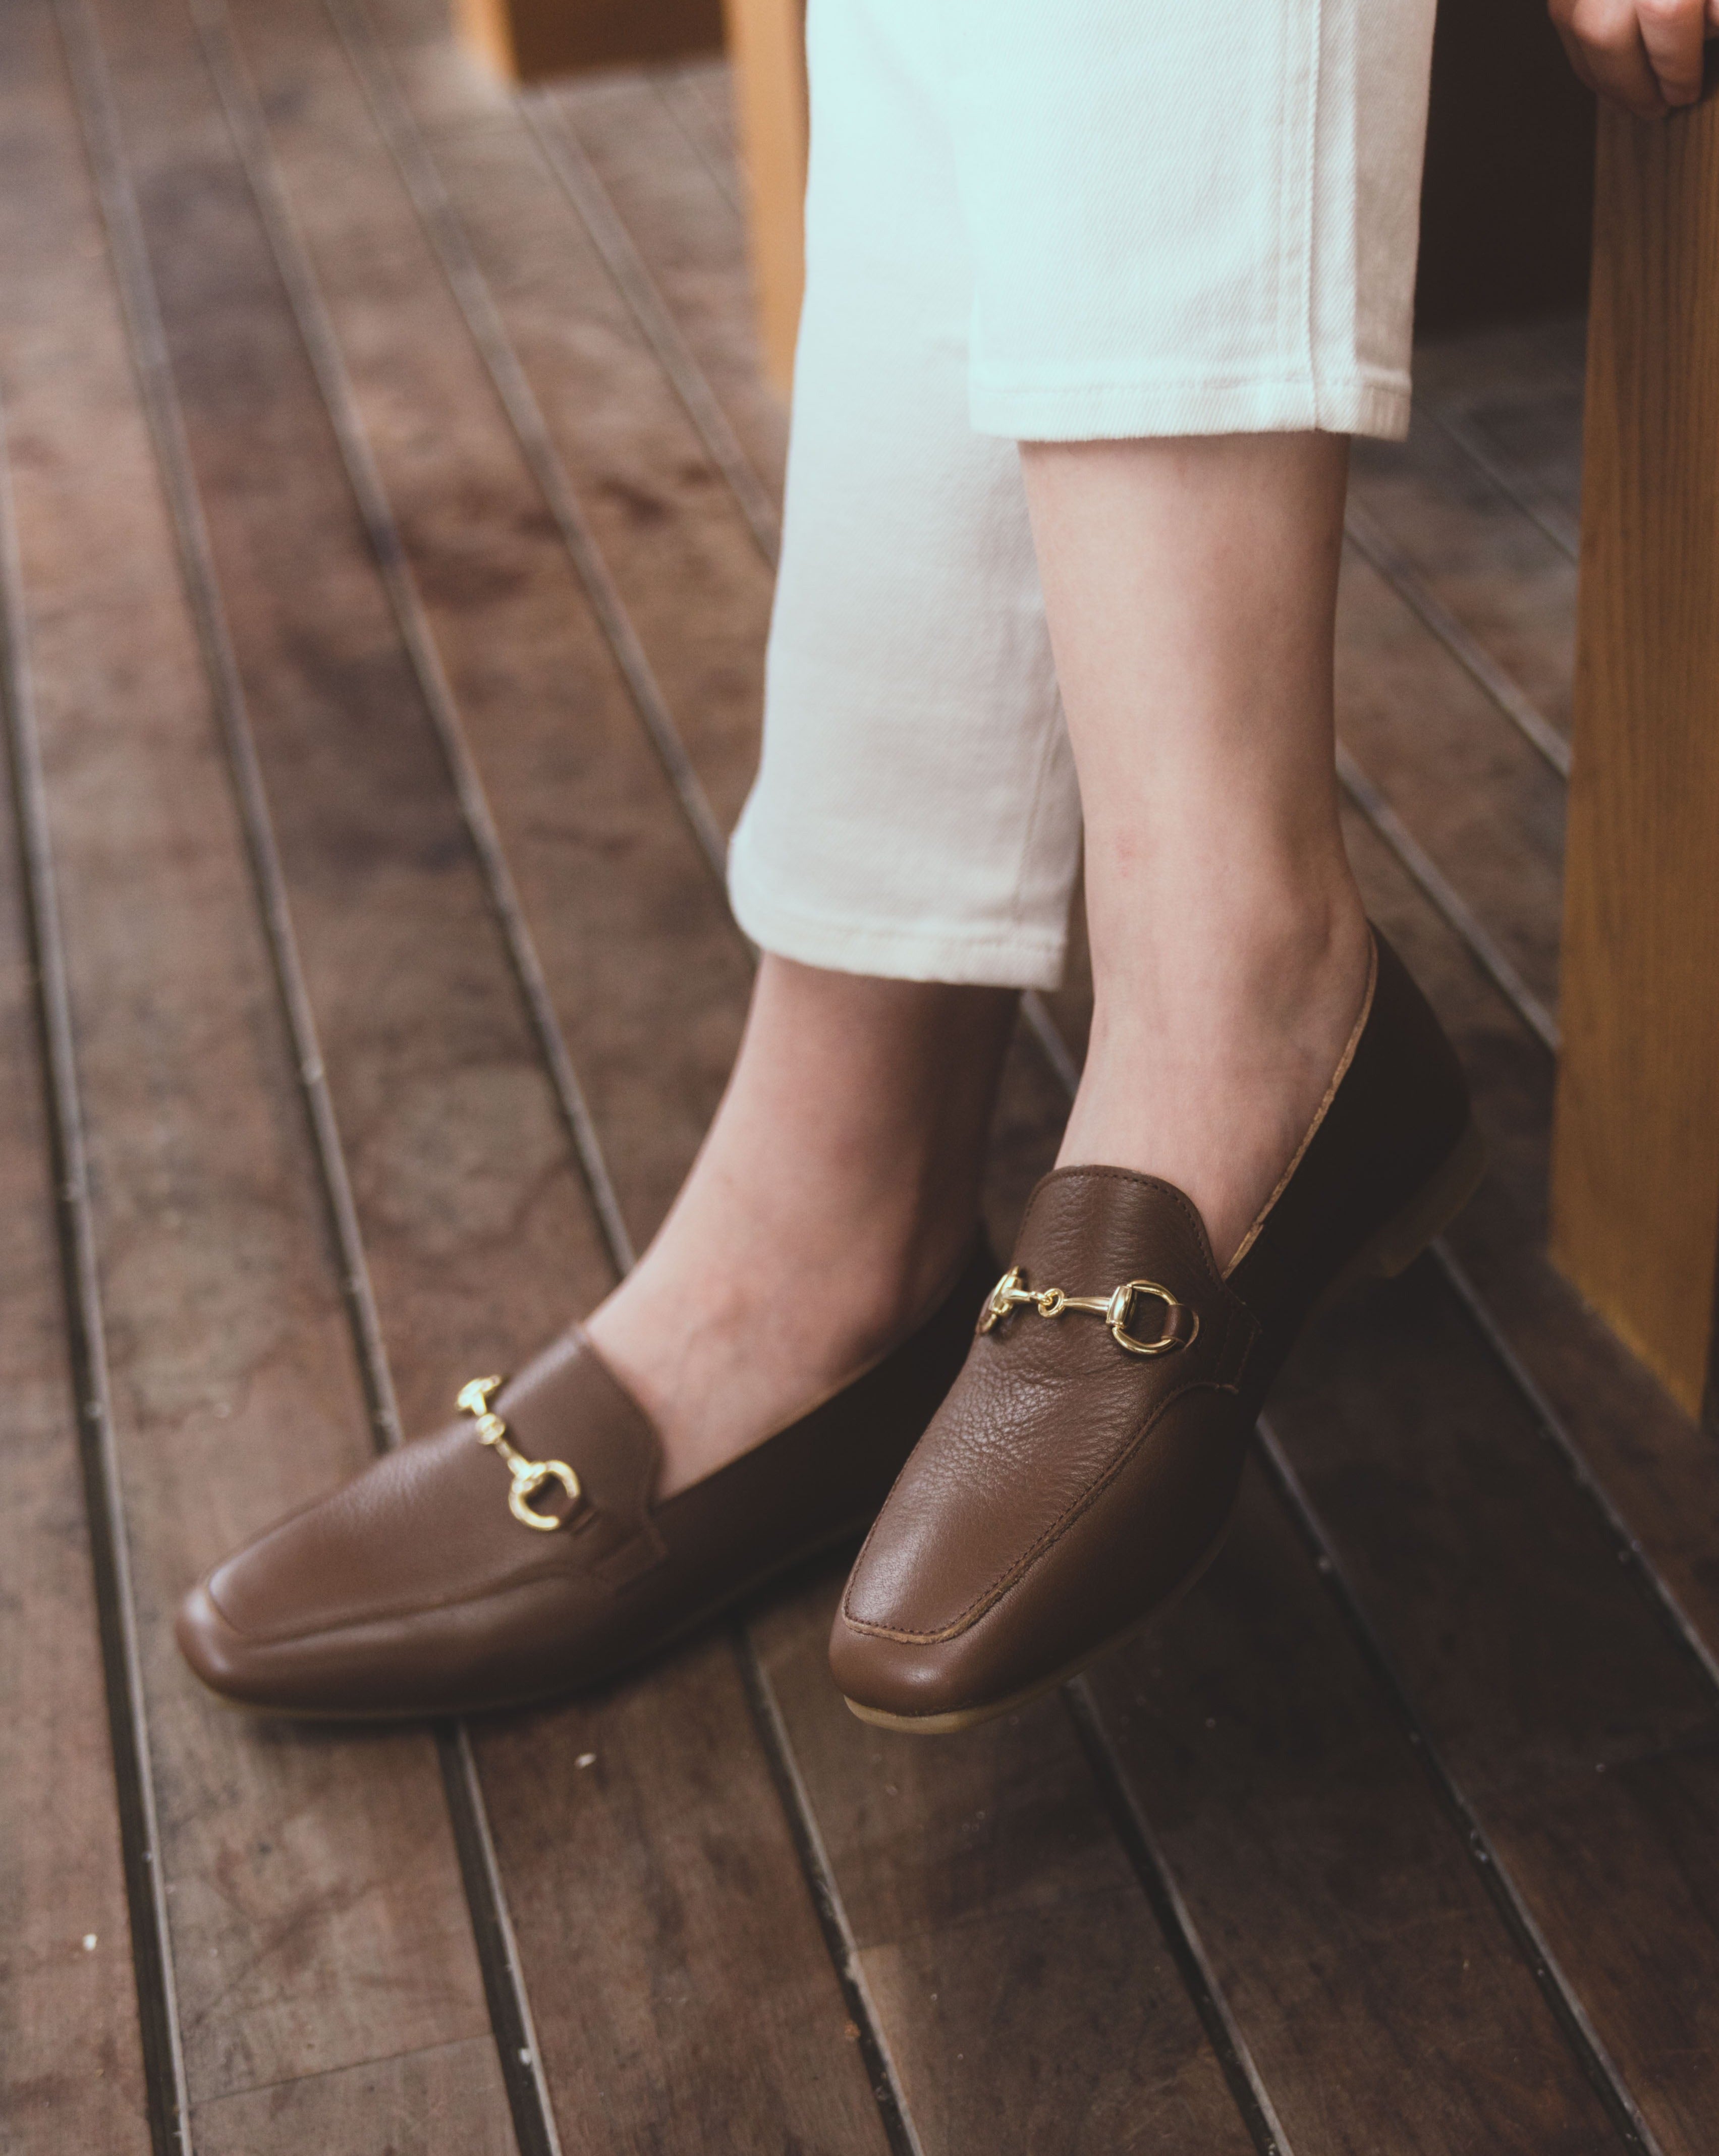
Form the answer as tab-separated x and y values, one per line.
529	1476
1012	1292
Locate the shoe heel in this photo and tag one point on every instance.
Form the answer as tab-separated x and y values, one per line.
1429	1212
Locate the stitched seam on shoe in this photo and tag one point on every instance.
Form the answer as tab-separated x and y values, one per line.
987	1596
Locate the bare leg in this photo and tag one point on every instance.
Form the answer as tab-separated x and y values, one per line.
1191	589
833	1197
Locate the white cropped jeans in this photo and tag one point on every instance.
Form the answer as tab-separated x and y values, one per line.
1039	220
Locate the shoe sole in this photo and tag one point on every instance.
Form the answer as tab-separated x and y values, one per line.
1391	1251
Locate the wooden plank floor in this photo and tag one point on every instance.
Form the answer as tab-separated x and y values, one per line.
386	550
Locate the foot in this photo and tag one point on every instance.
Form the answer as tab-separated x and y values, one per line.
749	1308
1080	1472
833	1202
1211	1076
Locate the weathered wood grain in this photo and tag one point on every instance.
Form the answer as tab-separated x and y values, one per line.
1475	796
698	95
317	1915
452	1130
1636	1155
695	244
1340	1910
683	1998
995	1918
1514	398
477	1233
444	2102
689	574
72	2076
1508	583
1653	1461
546	717
1586	1740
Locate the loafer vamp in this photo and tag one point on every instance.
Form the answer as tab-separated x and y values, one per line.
415	1589
1052	1419
1125	1551
1065	1492
414	1584
426	1528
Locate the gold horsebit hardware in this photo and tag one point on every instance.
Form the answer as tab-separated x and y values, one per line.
1012	1292
529	1476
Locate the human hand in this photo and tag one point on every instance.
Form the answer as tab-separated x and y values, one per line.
1643	56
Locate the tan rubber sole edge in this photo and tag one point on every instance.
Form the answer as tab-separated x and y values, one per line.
1390	1252
966	1717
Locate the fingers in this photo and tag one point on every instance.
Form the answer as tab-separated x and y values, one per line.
1674	33
1643	55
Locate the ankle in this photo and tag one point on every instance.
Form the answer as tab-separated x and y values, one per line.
1270	964
1208	1062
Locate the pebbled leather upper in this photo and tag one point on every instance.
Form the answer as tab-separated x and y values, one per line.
1065	1490
1048	1410
413	1589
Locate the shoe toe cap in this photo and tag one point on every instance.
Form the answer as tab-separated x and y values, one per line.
929	1683
243	1670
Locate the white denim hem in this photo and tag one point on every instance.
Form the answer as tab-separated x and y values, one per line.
893	951
1123	410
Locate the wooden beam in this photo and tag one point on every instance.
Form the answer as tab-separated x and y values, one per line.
767	41
1635	1168
526	39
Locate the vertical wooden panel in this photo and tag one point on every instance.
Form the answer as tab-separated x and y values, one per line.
1635	1169
767	39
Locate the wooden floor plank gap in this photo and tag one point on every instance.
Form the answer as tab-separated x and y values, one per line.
1630	1553
1374	546
896	2119
166	2094
510	2009
1459	426
436	212
1458	914
1047	1037
453	249
509	1997
701	137
161	402
1129	1822
1561	1997
1133	1831
249	129
422	181
578	180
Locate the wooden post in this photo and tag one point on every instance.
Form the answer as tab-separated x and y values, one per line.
525	39
1635	1164
767	40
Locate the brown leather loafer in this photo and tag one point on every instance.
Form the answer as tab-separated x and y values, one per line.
518	1554
1081	1472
